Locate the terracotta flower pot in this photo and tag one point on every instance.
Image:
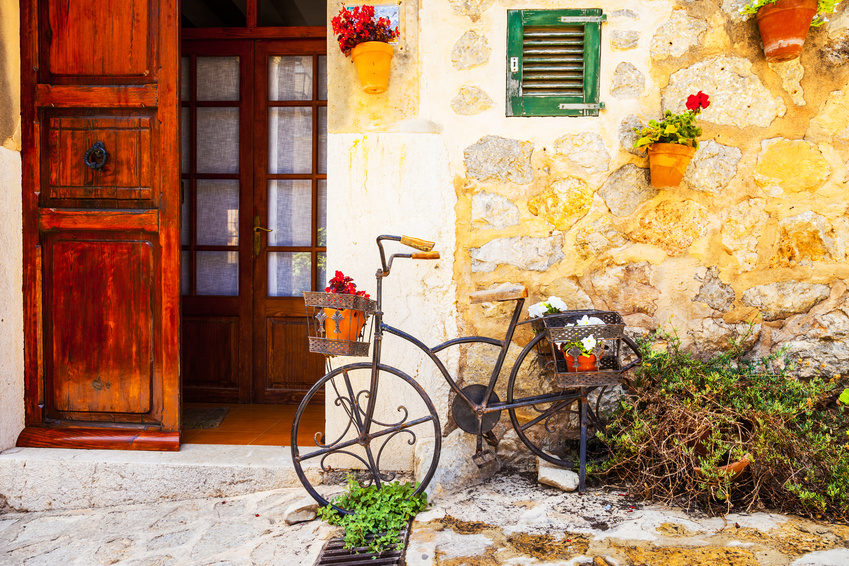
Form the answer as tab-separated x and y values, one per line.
668	162
732	470
784	26
348	328
585	363
372	61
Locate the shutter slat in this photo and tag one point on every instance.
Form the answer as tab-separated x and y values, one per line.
553	61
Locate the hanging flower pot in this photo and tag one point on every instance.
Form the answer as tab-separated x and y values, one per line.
673	141
348	327
668	162
372	61
366	39
784	25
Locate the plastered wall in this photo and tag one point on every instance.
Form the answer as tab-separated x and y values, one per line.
11	299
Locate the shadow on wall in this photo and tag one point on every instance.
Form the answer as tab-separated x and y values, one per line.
9	102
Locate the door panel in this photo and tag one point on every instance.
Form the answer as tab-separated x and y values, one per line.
102	359
105	40
101	241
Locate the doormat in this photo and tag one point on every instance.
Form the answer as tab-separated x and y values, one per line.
203	417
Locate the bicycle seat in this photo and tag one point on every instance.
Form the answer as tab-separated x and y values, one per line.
504	292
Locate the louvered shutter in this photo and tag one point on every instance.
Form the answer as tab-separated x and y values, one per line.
553	59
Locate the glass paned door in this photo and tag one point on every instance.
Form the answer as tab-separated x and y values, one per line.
254	119
293	201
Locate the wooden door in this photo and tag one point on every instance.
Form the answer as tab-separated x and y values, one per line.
101	223
290	199
254	131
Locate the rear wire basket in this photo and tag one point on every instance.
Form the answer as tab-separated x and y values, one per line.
331	331
561	328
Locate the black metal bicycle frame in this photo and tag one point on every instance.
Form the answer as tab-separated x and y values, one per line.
479	409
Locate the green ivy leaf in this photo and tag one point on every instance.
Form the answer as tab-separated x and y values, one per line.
844	397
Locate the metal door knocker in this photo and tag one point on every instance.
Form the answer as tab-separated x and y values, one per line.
96	156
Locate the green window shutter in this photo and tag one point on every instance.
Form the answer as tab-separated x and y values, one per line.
553	60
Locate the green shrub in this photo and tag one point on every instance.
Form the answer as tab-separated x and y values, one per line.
381	513
685	417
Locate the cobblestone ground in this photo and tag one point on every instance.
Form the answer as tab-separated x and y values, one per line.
247	530
510	520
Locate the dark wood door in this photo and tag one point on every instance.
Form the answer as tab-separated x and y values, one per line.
254	123
101	223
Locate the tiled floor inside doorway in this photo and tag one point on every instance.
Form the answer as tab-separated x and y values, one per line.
267	425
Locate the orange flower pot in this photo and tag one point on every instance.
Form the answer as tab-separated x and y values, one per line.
668	162
585	363
349	327
372	61
784	26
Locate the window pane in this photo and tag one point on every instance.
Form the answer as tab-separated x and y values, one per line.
218	273
185	85
290	140
289	273
322	140
185	210
217	78
185	140
322	271
185	272
322	77
290	213
218	212
322	212
217	140
289	78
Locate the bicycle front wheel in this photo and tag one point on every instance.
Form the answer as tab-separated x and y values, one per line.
546	417
402	439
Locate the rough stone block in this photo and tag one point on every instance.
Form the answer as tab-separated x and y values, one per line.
502	159
555	476
301	511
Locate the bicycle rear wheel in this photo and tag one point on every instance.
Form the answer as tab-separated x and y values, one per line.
404	434
548	421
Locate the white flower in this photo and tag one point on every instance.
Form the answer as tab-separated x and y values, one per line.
589	343
557	303
537	310
588	320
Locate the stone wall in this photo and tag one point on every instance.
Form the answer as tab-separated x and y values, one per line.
757	231
11	305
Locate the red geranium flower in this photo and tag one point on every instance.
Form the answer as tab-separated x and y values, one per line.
696	102
344	285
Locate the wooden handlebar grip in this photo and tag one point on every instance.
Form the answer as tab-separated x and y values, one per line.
426	255
422	245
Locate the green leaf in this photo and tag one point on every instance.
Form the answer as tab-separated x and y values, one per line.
844	397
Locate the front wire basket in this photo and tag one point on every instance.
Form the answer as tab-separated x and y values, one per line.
562	328
338	323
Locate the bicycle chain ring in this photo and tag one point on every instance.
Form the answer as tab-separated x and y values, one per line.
465	416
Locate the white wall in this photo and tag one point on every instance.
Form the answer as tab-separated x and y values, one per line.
11	294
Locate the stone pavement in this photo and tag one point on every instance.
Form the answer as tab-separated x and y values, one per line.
509	520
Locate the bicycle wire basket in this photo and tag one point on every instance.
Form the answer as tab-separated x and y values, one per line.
338	323
563	328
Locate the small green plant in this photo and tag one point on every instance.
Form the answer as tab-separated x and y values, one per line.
823	7
380	513
675	128
687	417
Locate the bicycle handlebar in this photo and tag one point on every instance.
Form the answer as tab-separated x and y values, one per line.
425	255
418	244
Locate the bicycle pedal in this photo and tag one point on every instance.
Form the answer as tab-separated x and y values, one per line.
483	458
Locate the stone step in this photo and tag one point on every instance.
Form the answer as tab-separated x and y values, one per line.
39	479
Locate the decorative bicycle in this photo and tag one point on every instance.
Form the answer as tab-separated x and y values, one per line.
381	408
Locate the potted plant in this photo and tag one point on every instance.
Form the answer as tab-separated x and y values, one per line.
672	141
580	354
344	324
366	40
784	24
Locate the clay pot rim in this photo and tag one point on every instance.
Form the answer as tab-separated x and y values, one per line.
773	8
679	148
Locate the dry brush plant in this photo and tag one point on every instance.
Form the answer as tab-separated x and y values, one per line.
685	418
